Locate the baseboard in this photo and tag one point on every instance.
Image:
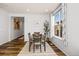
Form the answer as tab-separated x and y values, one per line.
12	40
4	42
59	48
19	36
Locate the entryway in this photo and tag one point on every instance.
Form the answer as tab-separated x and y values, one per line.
16	28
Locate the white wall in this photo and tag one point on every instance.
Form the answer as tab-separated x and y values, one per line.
73	29
36	22
33	22
70	45
4	23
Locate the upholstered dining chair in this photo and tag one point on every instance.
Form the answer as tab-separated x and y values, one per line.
44	41
30	41
36	41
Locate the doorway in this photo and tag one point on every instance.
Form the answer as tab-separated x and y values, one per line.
17	28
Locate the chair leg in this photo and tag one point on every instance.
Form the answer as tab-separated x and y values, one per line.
29	47
44	47
33	47
40	48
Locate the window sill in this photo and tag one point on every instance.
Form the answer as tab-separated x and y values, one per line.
59	37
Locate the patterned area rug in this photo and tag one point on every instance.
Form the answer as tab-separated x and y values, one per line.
25	51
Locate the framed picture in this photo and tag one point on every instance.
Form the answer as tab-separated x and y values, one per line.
16	23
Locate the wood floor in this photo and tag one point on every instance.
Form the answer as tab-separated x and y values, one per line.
13	48
57	51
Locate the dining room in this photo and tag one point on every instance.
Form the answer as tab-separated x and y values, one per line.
35	21
39	28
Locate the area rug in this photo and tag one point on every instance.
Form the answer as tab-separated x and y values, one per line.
25	51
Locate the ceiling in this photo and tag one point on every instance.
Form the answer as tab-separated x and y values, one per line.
29	7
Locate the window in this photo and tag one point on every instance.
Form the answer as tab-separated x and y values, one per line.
58	25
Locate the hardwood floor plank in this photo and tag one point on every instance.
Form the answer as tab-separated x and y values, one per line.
57	51
11	48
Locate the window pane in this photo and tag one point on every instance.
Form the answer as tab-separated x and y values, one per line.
57	17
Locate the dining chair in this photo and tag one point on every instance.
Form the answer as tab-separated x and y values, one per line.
36	41
44	41
37	33
30	41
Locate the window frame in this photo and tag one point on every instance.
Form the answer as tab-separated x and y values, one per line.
60	18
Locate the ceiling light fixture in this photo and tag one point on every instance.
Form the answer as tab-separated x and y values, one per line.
46	10
27	10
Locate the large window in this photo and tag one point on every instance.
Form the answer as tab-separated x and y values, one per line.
58	18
